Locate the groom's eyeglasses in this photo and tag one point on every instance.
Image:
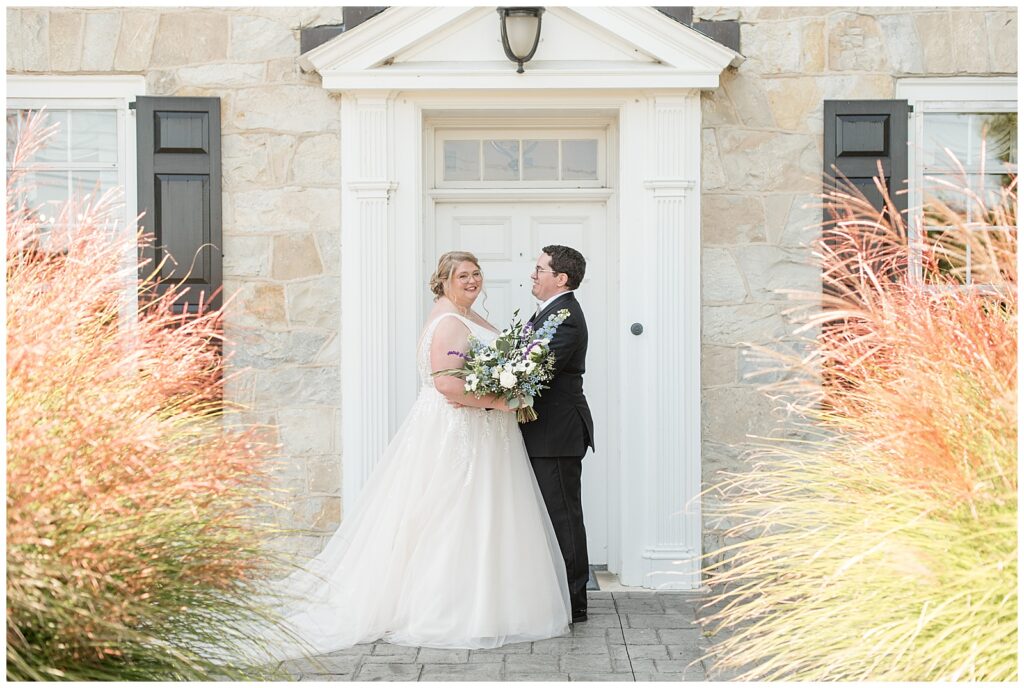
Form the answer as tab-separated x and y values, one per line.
538	269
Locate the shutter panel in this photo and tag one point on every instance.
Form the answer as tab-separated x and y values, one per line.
858	134
180	195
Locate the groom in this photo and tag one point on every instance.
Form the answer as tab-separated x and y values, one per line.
558	439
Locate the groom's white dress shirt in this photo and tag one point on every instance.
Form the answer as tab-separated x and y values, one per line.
556	296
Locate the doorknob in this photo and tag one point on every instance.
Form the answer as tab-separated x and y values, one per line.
636	328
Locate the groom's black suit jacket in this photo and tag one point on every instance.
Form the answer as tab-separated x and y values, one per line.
564	426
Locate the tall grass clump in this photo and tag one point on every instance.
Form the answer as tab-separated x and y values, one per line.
882	544
129	494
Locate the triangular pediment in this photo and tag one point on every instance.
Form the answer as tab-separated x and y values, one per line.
460	48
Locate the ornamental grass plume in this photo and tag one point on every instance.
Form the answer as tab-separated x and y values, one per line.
882	544
128	493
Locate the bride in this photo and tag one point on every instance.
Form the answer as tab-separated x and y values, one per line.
449	545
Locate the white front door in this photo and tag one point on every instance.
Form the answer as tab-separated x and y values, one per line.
507	238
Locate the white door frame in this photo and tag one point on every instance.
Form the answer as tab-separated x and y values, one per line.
657	416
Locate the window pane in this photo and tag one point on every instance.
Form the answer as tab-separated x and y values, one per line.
462	161
964	134
56	148
501	160
950	252
579	159
999	131
92	182
94	136
970	197
942	131
45	192
540	160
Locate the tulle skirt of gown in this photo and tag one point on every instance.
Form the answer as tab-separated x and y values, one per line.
449	546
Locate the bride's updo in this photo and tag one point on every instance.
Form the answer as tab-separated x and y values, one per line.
446	265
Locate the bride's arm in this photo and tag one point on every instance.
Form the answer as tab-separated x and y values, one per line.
452	335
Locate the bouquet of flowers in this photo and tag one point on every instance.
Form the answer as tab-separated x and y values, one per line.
514	367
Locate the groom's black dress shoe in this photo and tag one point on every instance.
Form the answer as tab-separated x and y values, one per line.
579	617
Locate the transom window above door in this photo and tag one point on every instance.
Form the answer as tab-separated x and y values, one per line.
520	158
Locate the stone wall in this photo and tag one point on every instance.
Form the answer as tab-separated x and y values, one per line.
762	166
281	219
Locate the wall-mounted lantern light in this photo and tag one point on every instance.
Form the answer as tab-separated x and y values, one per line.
520	33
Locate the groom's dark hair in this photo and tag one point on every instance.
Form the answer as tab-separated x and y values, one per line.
567	260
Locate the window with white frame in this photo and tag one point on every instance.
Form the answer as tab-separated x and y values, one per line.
92	149
962	153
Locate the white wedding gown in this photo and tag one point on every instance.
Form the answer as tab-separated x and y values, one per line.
449	545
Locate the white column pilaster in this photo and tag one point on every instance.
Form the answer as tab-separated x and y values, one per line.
667	536
367	285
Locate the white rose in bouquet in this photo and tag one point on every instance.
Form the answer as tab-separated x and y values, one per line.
507	379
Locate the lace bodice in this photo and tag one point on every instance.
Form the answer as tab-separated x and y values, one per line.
423	363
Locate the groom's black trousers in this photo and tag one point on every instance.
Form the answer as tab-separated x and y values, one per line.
559	481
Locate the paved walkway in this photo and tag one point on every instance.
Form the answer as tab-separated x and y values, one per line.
630	636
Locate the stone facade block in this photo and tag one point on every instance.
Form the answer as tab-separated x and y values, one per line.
728	219
794	101
1001	29
260	38
738	325
314	303
770	161
247	256
773	47
222	75
285	387
970	41
192	37
902	43
307	431
747	95
813	53
717	365
135	42
938	57
711	173
256	160
285	108
257	304
296	257
259	348
769	269
317	161
285	209
67	31
715	107
855	43
721	280
102	30
732	414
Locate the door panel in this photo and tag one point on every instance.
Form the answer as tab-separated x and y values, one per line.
507	238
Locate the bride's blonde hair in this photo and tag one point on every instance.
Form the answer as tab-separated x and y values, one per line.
446	265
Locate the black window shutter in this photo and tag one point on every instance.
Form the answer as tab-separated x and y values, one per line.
179	192
859	134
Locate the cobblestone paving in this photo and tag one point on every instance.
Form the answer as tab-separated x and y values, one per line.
630	636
